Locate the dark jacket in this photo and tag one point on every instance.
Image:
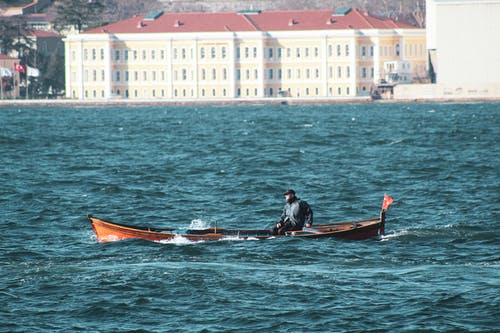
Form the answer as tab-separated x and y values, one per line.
298	212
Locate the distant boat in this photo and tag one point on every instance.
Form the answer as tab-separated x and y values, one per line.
107	231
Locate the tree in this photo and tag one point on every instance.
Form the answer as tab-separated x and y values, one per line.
14	36
79	13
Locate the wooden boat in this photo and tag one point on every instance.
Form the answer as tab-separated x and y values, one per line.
107	231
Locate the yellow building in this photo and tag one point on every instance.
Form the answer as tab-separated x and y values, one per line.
249	54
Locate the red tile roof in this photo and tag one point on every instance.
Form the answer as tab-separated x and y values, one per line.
6	57
262	21
42	33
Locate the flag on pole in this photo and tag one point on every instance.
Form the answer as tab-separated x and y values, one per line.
19	68
5	72
387	202
32	71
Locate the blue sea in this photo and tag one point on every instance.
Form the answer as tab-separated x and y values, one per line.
437	269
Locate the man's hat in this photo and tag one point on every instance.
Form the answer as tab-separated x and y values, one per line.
289	192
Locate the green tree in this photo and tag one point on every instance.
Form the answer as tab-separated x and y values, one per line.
14	36
79	13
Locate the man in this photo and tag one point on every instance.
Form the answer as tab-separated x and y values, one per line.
295	214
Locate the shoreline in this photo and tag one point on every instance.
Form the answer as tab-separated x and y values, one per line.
223	102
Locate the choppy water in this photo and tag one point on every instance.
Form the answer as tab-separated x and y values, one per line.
437	269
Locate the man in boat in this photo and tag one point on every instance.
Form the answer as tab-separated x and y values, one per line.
296	213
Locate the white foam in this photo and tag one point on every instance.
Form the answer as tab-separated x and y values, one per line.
177	240
199	224
394	235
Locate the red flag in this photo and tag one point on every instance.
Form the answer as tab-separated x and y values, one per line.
387	202
19	68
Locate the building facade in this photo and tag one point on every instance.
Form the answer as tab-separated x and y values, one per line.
250	54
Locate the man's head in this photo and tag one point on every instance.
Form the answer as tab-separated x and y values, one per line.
289	195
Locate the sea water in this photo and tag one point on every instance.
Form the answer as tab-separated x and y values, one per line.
437	268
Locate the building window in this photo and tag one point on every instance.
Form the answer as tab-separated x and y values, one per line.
203	92
118	76
238	52
297	52
255	52
144	76
117	54
347	50
279	52
103	75
339	50
363	51
372	72
348	71
102	54
298	73
144	55
135	92
339	90
94	54
135	54
153	74
288	52
202	53
162	54
289	74
238	92
136	75
153	54
212	52
94	75
397	50
85	54
183	53
214	74
316	52
371	51
348	91
256	74
94	93
224	51
307	91
308	73
224	74
247	52
203	74
330	50
307	52
363	72
270	52
213	92
126	75
175	53
184	74
279	73
270	74
316	73
224	92
247	76
339	72
238	74
125	54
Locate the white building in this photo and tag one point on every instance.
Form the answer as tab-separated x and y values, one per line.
463	44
